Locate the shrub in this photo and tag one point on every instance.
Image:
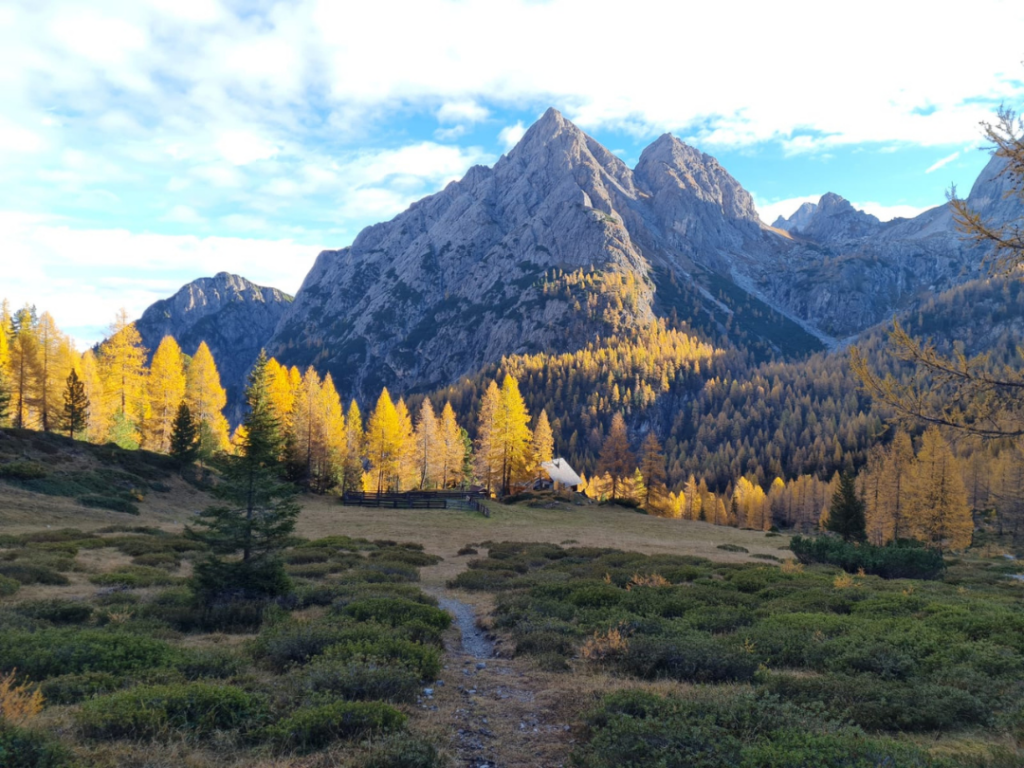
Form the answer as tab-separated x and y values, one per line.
51	652
233	616
27	748
396	611
209	662
467	551
382	647
169	560
597	596
363	680
406	556
57	611
23	470
402	750
386	571
25	573
108	502
147	711
693	657
289	643
71	689
904	560
133	576
733	548
482	581
8	586
312	728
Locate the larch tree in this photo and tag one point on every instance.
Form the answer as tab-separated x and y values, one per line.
543	442
247	532
512	427
352	471
99	426
5	395
616	460
939	512
52	375
25	370
307	428
652	469
488	453
282	398
692	506
331	458
165	389
429	452
1006	492
407	476
74	418
453	451
384	442
122	369
206	399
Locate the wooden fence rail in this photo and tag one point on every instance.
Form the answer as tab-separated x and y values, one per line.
419	500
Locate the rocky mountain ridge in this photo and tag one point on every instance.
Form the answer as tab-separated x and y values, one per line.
235	317
561	243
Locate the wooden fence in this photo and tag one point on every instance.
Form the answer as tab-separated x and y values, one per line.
419	500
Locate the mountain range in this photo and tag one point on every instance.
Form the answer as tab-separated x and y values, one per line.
559	244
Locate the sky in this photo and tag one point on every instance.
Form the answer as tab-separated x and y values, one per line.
145	143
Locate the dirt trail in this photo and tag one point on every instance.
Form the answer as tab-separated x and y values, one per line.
504	713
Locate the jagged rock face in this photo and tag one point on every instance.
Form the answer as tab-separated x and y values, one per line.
235	317
464	277
456	281
842	282
798	220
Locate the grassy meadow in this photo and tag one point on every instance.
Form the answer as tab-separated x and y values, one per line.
621	640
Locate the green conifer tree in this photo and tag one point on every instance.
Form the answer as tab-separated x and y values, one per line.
246	533
184	446
846	514
75	416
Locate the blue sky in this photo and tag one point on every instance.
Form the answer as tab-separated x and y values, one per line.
146	143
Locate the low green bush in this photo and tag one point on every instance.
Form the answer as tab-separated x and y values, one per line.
362	680
402	750
57	611
8	586
70	650
376	644
395	611
288	643
905	560
312	728
133	576
29	748
411	557
694	657
732	548
231	616
71	689
113	503
27	573
189	710
385	571
166	560
23	470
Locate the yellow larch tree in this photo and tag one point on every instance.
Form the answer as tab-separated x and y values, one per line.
24	368
384	442
331	456
279	392
53	371
99	425
427	441
691	506
543	442
122	369
307	427
513	430
165	390
453	449
206	398
488	453
352	471
407	477
615	459
652	470
939	512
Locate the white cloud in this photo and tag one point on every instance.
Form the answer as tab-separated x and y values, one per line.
888	212
770	211
83	276
944	161
511	134
183	214
242	148
462	112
